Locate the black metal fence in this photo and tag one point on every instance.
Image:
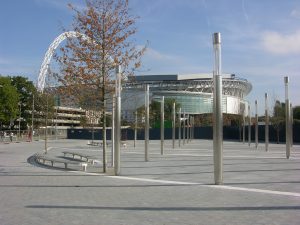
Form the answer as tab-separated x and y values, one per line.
229	133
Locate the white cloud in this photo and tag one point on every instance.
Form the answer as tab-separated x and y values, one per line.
277	43
156	55
295	13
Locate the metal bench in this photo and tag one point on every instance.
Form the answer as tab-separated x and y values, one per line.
42	158
95	143
87	158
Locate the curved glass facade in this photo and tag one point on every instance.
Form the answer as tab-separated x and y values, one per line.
192	92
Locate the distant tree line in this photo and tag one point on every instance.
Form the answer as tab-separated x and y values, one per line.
19	97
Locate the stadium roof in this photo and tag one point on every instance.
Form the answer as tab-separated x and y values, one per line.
177	77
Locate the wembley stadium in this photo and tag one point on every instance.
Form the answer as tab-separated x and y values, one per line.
194	92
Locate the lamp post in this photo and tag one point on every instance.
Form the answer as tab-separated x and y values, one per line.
190	122
1	86
183	128
287	118
162	127
217	111
135	128
193	131
174	125
112	134
266	123
188	128
147	123
249	125
244	122
179	127
117	135
56	123
104	138
256	125
32	117
46	125
291	123
19	134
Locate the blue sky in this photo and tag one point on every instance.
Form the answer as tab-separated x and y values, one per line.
260	38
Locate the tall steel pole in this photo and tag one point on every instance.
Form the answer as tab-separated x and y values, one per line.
19	136
162	125
117	155
56	123
179	127
147	123
174	125
191	129
256	125
287	118
46	125
266	123
135	129
249	125
188	128
32	117
291	123
112	134
46	119
183	128
193	132
217	111
244	121
104	138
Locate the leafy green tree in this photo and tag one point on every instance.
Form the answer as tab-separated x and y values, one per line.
168	109
278	118
8	102
26	91
204	119
296	114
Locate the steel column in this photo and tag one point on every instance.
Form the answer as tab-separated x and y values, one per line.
179	127
113	131
287	118
147	123
117	156
173	125
135	129
266	123
217	112
249	126
162	126
256	125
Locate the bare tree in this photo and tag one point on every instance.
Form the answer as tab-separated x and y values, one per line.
88	64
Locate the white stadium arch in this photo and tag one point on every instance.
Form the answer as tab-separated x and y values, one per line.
50	52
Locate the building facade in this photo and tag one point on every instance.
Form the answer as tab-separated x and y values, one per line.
194	93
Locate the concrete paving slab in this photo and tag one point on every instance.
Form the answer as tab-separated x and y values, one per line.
175	188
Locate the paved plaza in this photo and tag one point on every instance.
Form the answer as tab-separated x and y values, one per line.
175	188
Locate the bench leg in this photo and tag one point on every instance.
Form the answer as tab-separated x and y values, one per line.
66	165
52	163
84	165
